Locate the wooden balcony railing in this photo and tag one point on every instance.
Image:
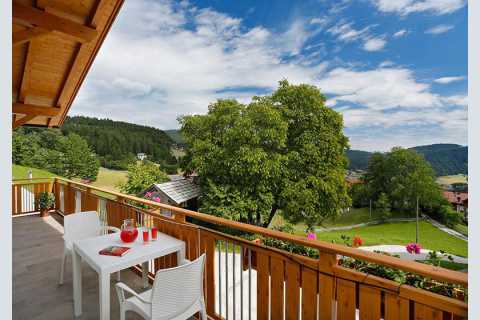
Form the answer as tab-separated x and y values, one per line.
246	280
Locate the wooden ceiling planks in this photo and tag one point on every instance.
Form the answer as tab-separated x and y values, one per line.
54	45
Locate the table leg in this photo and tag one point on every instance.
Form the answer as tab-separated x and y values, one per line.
104	285
145	274
77	283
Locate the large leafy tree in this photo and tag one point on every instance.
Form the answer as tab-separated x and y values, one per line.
403	175
79	159
281	152
142	175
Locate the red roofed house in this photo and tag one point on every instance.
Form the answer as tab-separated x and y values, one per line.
459	200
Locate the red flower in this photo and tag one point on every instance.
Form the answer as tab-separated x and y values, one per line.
357	241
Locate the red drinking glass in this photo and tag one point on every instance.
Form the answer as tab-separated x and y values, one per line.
154	233
145	235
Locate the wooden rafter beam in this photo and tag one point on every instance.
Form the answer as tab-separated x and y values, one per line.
27	35
31	16
21	108
23	120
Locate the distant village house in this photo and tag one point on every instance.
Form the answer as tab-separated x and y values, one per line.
458	200
179	192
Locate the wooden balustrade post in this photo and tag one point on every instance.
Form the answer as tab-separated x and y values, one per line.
179	217
326	284
120	199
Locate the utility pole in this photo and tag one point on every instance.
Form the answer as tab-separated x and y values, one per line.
416	234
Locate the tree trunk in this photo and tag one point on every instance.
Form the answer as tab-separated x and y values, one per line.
270	217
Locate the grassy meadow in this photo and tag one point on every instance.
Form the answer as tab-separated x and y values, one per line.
458	178
107	178
402	233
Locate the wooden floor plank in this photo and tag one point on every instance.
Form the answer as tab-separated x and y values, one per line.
37	249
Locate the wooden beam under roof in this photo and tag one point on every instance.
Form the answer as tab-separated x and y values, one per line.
23	120
27	35
32	16
33	109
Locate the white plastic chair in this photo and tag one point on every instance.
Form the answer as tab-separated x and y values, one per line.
177	294
81	225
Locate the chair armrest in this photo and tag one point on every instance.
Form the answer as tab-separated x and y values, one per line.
110	228
184	261
122	288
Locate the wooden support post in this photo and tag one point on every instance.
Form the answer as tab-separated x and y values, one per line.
179	217
326	285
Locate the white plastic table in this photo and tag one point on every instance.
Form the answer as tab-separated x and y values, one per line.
140	253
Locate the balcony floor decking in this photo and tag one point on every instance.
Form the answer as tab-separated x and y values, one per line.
37	250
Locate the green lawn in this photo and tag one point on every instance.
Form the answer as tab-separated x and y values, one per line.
450	265
107	179
402	233
354	216
21	172
463	229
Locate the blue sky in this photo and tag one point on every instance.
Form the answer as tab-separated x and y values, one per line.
395	69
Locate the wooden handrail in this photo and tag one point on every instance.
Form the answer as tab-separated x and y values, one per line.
437	273
30	181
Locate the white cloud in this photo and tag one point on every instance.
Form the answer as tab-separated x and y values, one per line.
446	80
442	28
379	89
458	100
407	128
386	64
405	7
374	44
182	59
320	21
346	33
400	33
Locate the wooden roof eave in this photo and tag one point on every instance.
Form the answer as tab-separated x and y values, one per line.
40	33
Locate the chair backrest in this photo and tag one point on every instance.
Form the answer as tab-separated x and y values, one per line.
81	225
176	289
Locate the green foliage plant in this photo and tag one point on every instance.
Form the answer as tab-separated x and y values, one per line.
46	200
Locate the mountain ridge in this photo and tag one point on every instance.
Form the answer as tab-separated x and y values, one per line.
445	158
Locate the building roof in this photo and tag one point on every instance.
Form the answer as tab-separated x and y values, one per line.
180	190
54	44
455	197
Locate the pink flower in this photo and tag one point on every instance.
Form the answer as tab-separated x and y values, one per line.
312	236
148	195
156	199
413	248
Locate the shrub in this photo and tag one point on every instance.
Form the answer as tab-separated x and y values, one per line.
449	216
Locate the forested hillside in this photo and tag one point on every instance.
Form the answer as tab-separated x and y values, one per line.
446	159
117	143
176	136
358	160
